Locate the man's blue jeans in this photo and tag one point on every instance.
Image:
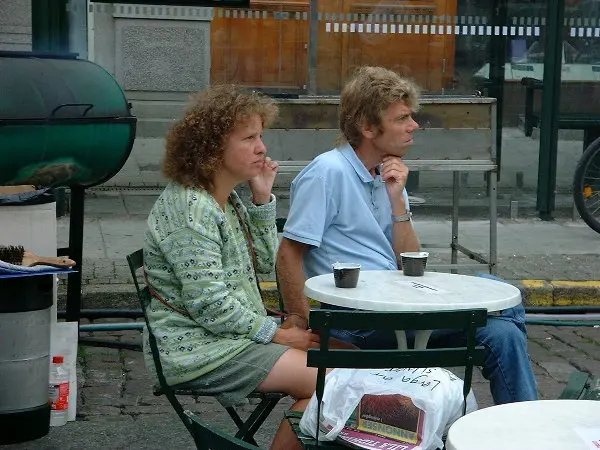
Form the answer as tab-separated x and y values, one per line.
507	365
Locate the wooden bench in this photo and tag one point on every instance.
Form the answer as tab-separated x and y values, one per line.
588	122
455	166
458	135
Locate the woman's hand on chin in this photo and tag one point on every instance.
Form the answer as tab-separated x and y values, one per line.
262	184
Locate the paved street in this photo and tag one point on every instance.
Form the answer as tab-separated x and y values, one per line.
117	409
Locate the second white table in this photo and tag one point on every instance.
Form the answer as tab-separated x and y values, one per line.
541	424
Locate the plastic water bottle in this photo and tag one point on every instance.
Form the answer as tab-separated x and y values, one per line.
58	391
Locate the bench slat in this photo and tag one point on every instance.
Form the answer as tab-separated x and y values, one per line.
413	164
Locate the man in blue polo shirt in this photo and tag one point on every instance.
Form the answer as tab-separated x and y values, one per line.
350	204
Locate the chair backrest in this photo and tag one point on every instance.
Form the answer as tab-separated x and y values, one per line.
213	438
325	357
136	262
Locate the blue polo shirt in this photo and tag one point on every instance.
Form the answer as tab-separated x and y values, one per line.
343	212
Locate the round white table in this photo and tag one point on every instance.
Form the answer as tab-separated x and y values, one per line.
390	290
541	424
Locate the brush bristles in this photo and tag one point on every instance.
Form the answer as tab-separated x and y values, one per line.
12	254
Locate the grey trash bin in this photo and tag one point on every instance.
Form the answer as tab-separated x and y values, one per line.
25	316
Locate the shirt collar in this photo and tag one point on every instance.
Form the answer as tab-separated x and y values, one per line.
350	154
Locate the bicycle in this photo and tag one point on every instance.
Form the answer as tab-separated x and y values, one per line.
586	186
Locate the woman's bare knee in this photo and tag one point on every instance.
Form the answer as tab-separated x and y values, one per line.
291	375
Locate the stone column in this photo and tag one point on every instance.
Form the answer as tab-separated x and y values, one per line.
15	25
152	50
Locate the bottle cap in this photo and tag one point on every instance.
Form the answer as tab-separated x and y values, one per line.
58	359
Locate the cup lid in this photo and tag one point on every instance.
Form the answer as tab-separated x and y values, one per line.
339	265
415	254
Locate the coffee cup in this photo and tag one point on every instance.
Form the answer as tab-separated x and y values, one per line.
346	275
414	263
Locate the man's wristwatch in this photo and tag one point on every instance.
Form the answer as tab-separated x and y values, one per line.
406	217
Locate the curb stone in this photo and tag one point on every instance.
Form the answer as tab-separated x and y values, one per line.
559	293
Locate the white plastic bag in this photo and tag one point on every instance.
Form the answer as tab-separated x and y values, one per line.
418	408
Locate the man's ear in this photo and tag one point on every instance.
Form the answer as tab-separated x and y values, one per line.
368	130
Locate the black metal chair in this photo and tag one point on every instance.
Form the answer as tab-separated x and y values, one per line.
247	428
212	438
325	357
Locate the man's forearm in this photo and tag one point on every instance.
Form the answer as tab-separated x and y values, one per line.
290	274
404	238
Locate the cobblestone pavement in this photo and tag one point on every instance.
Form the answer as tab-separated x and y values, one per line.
117	409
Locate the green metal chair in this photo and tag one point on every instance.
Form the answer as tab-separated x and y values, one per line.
247	428
324	357
581	386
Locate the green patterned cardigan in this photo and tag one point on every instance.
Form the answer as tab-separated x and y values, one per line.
197	259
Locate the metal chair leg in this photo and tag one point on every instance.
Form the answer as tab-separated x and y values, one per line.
257	417
240	424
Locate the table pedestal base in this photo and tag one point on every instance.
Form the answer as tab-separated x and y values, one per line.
421	339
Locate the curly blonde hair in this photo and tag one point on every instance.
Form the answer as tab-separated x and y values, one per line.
367	95
195	144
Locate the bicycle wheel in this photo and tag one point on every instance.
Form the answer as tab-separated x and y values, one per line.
586	186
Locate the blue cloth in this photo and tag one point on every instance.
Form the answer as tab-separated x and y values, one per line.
343	212
337	207
8	270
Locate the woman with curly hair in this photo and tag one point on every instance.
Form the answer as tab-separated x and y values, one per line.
202	250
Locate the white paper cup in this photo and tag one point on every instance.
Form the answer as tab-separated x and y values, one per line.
414	263
346	275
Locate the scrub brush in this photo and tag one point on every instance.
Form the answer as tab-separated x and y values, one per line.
16	254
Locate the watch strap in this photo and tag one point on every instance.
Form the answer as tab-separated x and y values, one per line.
406	217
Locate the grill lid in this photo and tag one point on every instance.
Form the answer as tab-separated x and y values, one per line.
57	88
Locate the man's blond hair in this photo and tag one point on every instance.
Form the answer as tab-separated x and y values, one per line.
366	97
